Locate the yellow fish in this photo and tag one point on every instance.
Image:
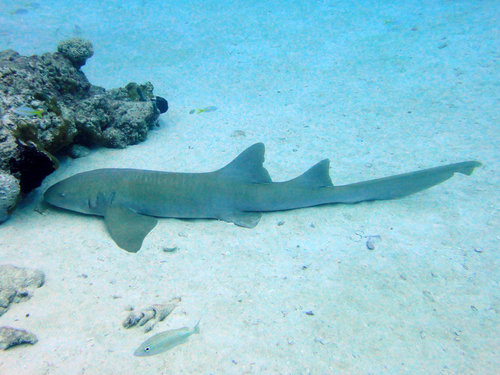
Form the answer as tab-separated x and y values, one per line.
201	110
26	111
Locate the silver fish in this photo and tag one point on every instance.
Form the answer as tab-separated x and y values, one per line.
166	340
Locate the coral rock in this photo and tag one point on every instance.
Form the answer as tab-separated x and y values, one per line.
76	50
16	284
9	193
10	337
47	105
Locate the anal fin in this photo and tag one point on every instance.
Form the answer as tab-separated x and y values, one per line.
128	228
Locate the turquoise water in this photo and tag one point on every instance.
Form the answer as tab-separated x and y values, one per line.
379	88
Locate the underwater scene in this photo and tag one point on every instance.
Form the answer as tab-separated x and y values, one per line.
249	187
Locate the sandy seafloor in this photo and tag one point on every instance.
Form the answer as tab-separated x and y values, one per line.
378	89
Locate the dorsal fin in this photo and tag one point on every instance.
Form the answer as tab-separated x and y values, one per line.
315	177
248	166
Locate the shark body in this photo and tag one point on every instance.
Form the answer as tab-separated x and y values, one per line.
131	199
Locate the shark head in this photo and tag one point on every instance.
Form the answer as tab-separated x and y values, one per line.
77	193
66	194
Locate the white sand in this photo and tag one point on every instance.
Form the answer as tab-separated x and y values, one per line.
353	83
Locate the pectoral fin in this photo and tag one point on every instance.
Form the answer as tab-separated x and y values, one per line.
128	228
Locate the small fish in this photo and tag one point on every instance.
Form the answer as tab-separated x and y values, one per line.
201	110
19	11
161	104
166	340
207	109
26	111
77	30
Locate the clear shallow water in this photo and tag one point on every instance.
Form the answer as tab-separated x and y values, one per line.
378	89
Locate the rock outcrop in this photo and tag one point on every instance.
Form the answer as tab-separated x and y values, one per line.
17	284
47	105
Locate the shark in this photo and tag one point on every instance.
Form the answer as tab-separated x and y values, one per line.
131	200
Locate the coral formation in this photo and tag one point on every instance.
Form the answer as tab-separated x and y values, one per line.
47	105
16	284
9	193
150	316
76	50
10	337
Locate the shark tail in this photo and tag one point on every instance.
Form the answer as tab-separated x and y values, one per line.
400	185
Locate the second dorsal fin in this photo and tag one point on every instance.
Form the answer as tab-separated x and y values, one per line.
315	177
247	166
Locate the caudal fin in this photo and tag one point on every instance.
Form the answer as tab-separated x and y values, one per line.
467	167
401	185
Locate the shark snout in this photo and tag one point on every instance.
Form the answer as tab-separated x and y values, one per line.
51	195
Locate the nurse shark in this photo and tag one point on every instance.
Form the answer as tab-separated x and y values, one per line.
130	200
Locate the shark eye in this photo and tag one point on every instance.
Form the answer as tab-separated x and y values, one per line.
146	349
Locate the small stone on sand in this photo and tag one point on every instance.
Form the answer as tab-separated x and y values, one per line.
10	337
